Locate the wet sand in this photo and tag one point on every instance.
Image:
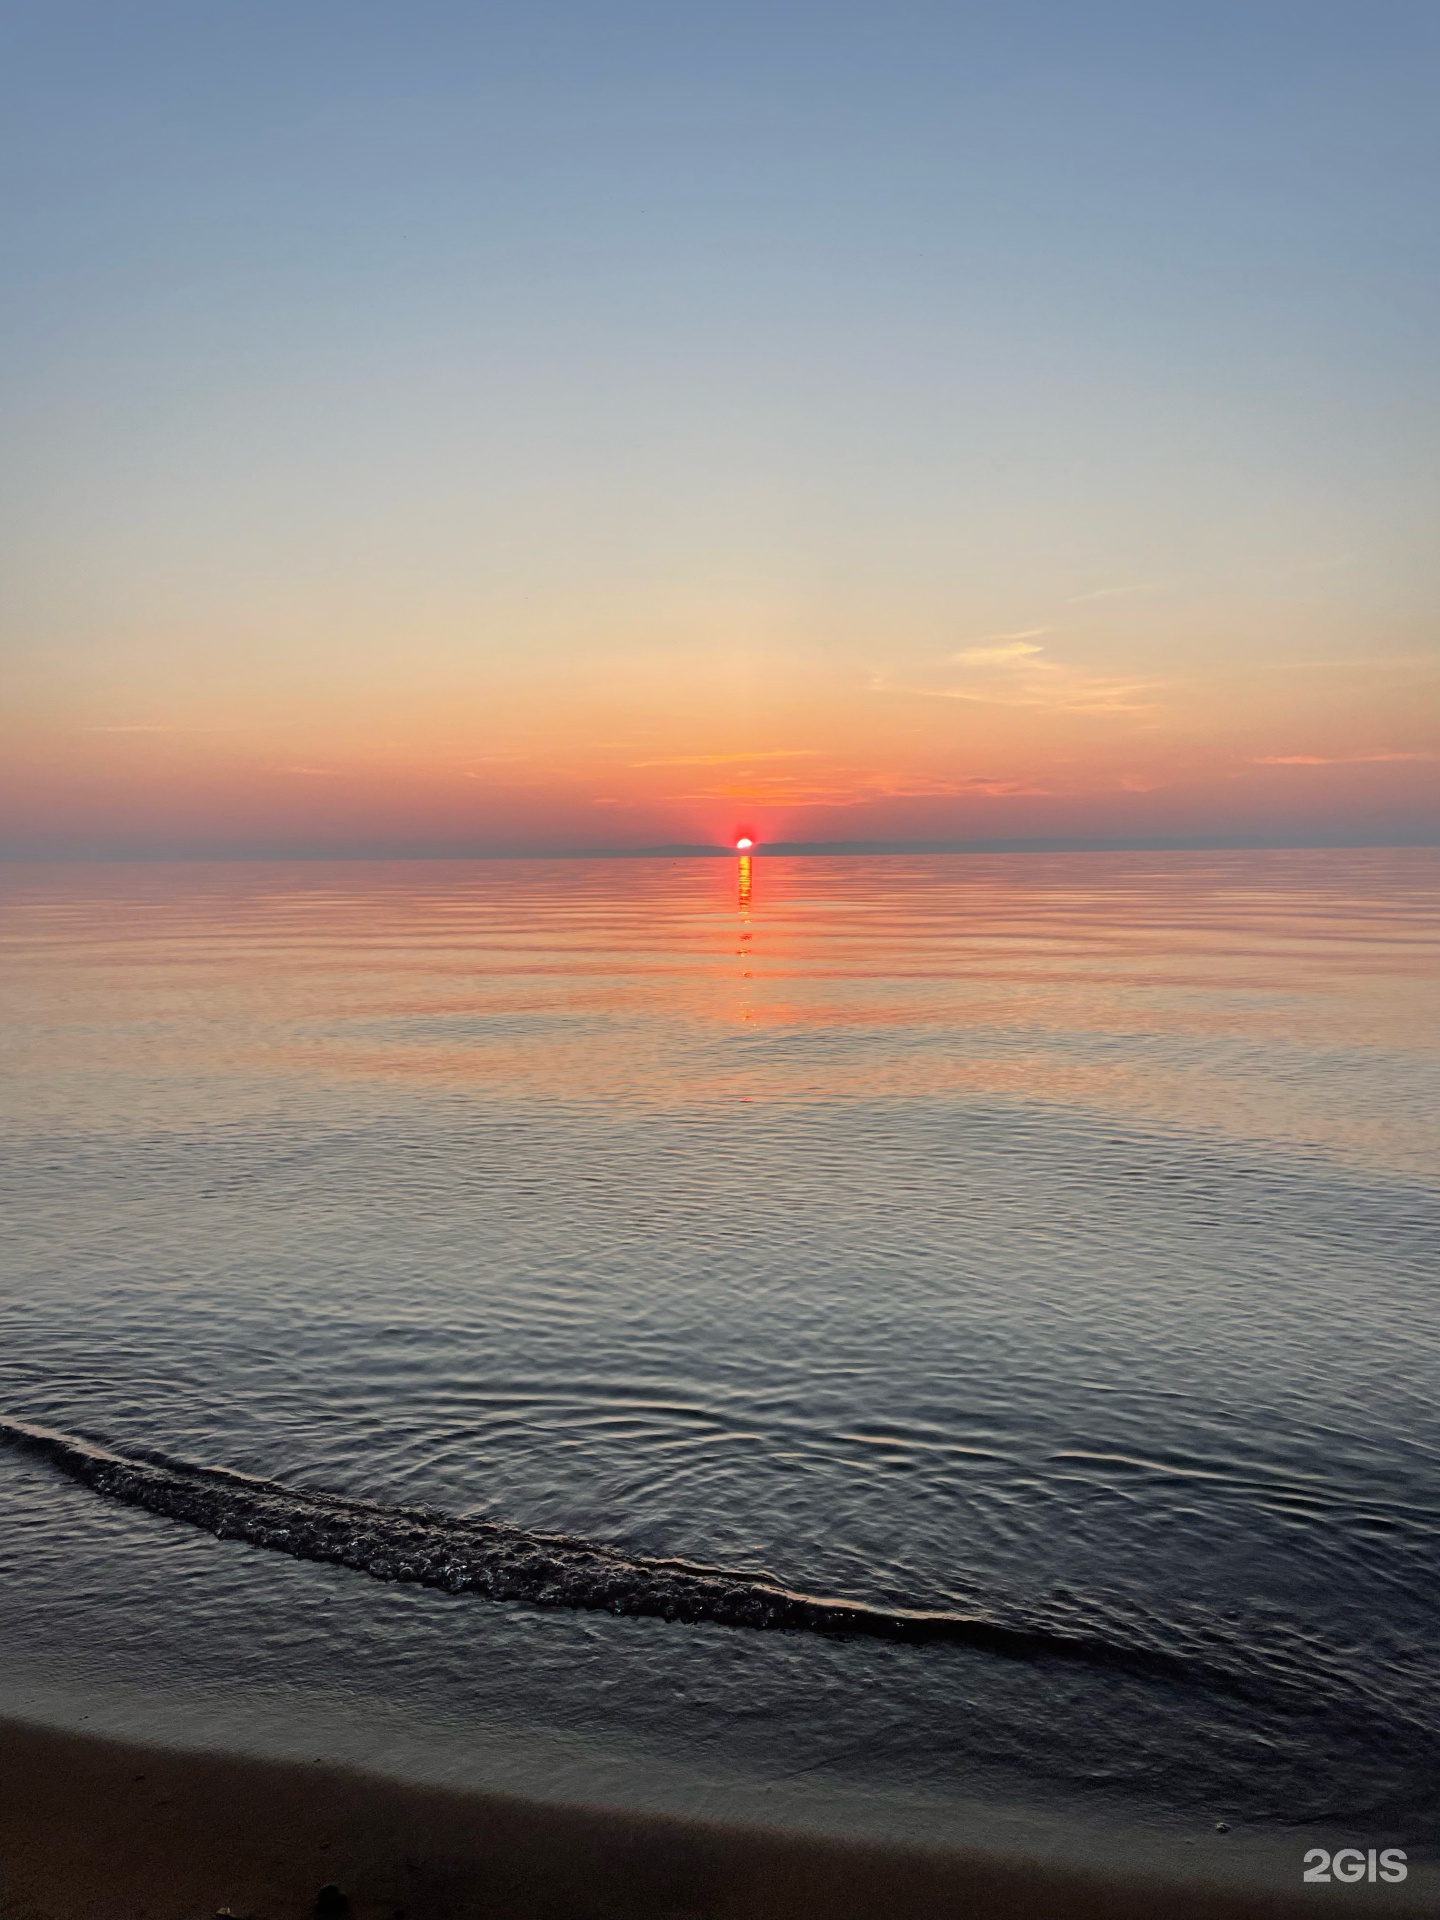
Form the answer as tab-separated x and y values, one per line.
94	1829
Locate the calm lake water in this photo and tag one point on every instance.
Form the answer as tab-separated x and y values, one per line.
1049	1239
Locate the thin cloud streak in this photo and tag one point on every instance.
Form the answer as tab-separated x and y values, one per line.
865	789
1336	759
1079	694
729	759
1017	648
1112	593
1017	675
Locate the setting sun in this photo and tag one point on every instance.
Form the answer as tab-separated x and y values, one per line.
455	459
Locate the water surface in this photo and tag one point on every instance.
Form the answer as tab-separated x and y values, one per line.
1044	1240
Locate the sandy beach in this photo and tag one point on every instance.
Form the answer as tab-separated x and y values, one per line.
95	1829
720	921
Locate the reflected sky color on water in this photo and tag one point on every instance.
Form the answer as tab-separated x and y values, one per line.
1047	1237
1284	995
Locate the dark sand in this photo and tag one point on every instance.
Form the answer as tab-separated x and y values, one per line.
96	1829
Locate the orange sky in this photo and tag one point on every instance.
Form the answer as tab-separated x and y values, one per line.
1089	729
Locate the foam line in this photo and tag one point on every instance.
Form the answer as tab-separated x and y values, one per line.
502	1562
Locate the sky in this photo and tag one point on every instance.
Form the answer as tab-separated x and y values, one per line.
458	428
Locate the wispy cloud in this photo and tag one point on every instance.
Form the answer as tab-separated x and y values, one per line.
917	787
1112	593
1014	673
781	793
729	759
995	649
864	788
1335	759
996	789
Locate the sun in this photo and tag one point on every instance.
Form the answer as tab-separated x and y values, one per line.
744	843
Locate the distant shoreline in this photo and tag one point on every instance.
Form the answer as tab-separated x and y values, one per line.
1427	840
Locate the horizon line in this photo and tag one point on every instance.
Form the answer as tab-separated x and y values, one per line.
786	849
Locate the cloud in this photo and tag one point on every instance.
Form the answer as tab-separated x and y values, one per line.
865	788
781	794
1004	789
918	787
1010	646
729	759
994	649
1335	760
1014	673
1037	684
1112	593
783	789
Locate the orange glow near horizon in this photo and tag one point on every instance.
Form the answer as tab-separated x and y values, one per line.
434	753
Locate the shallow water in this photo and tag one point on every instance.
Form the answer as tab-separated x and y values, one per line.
1043	1240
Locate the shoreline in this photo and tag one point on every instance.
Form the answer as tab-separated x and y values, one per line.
94	1828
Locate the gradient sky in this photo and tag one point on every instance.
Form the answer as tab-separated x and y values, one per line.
441	427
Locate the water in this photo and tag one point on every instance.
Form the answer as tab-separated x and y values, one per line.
1043	1242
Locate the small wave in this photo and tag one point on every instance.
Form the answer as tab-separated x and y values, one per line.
502	1562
